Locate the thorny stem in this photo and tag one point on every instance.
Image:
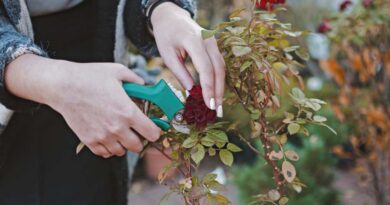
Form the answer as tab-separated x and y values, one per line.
267	146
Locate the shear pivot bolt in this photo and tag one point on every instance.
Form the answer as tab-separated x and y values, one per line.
179	118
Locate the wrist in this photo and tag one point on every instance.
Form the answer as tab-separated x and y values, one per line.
164	10
34	78
56	81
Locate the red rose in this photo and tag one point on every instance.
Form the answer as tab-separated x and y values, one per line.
345	5
262	4
195	111
268	4
324	27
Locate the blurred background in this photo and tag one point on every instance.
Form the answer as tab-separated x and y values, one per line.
350	69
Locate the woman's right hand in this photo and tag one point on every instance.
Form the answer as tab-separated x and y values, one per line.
89	96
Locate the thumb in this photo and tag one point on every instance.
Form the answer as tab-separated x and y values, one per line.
129	76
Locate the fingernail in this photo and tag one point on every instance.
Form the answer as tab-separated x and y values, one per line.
220	111
212	103
187	93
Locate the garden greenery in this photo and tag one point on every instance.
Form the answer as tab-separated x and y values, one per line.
360	65
259	62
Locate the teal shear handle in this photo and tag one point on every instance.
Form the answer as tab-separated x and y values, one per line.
161	95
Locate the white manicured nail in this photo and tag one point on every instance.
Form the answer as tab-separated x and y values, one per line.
187	93
220	111
212	103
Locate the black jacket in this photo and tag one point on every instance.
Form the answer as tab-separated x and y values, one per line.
38	163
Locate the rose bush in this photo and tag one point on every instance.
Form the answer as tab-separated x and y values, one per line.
260	68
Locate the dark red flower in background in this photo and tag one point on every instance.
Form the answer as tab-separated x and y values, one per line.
345	5
268	5
195	111
368	3
324	26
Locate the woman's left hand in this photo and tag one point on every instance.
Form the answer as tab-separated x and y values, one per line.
177	35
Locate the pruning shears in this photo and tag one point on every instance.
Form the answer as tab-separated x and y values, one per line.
164	96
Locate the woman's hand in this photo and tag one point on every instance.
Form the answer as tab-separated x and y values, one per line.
89	96
177	35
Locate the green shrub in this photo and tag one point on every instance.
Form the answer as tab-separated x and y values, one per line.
317	166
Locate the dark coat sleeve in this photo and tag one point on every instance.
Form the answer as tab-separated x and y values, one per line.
12	45
136	23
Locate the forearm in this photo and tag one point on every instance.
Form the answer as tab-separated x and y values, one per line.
33	77
90	98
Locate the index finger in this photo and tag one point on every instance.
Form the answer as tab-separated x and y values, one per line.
202	62
144	126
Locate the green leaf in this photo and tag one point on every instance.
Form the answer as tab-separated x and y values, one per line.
291	48
235	19
290	116
274	195
216	186
220	144
288	171
303	54
291	155
293	128
297	188
283	201
319	118
217	125
212	151
233	148
206	34
245	66
239	51
304	131
207	141
190	142
255	114
309	115
268	16
209	177
317	101
235	30
276	155
279	66
211	200
221	200
236	13
301	121
275	100
283	139
293	34
286	25
199	154
312	105
296	92
217	135
226	157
